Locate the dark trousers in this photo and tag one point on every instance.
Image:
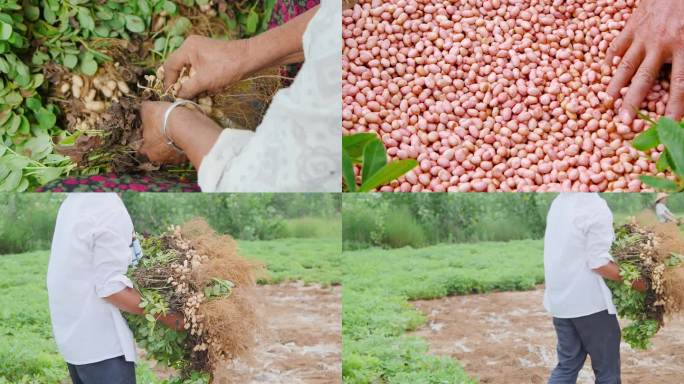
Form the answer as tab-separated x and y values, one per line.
110	371
597	335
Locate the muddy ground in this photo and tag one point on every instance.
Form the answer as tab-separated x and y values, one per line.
301	342
508	338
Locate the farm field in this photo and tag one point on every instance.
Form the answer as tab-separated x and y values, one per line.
512	332
377	314
29	355
449	313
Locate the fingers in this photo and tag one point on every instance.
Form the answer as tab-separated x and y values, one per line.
175	62
642	82
194	86
675	105
626	69
619	46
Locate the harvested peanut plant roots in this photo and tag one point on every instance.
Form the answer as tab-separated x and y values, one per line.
195	272
652	254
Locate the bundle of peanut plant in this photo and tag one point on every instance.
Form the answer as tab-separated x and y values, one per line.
651	253
195	272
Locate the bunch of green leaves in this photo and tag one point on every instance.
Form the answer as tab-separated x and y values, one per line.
246	17
163	344
154	253
367	150
218	289
631	305
171	36
72	32
670	134
194	378
27	125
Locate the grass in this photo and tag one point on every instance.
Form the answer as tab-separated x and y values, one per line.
313	227
28	354
378	285
308	260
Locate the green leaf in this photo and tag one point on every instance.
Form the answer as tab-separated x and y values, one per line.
251	22
47	174
663	163
37	147
647	139
11	182
135	24
32	12
268	12
354	144
389	172
672	136
14	162
85	19
659	183
89	66
169	7
374	158
179	26
33	103
46	119
175	42
13	99
160	44
101	31
348	172
70	61
5	31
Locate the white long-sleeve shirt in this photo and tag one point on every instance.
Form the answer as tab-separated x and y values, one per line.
579	234
89	258
298	146
663	214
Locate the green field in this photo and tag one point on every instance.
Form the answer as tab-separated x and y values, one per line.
27	351
378	285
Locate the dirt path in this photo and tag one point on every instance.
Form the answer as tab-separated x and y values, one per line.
508	337
302	340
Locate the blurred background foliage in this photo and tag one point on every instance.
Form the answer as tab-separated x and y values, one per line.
418	220
28	219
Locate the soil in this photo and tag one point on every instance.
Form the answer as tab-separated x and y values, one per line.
301	339
508	337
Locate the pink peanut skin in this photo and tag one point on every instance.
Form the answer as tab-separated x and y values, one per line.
494	95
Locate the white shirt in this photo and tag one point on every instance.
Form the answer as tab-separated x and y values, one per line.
298	145
663	214
89	258
579	234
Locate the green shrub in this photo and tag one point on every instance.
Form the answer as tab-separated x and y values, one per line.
313	227
402	229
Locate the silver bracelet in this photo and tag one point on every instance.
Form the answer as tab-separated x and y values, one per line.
175	104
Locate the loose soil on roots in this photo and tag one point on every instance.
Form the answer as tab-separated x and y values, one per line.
300	341
508	337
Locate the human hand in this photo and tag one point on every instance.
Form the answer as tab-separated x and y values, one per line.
653	35
640	285
216	64
173	320
154	145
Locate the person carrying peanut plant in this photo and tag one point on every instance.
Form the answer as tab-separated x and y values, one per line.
663	213
577	242
92	248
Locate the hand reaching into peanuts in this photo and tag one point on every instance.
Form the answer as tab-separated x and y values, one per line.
653	36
